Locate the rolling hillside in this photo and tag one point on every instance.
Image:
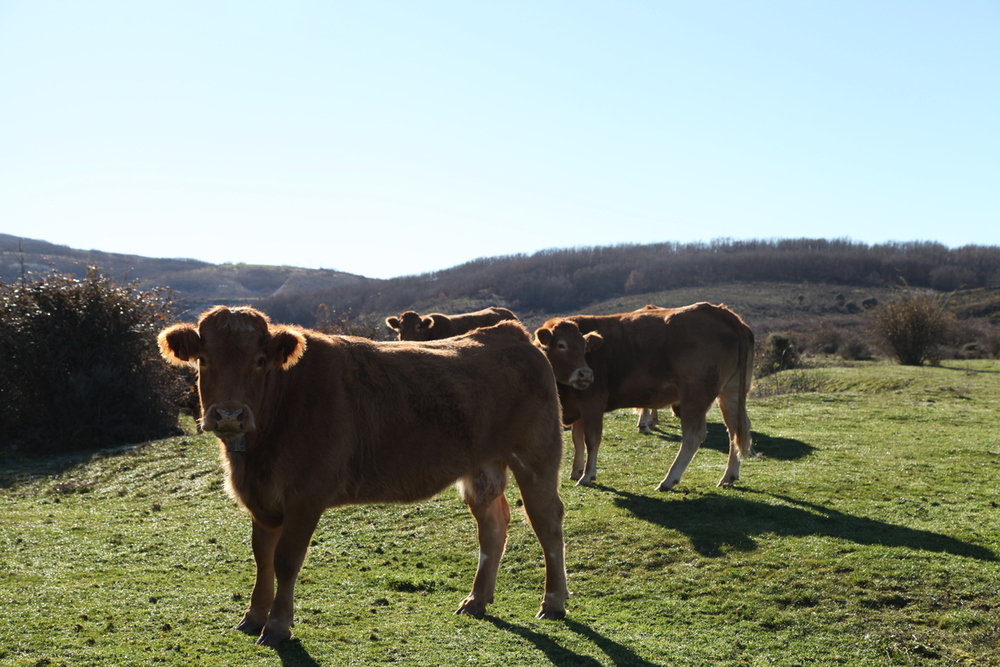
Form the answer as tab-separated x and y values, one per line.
196	284
774	284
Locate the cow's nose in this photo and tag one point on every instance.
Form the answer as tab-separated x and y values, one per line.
583	378
228	419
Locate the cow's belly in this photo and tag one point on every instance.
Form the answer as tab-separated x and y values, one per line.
649	396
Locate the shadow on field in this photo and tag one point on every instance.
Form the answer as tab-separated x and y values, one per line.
713	521
782	449
559	655
294	654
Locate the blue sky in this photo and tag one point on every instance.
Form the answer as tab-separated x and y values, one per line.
393	138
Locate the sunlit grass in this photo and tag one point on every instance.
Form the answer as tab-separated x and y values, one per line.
864	532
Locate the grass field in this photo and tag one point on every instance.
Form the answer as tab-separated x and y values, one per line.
866	531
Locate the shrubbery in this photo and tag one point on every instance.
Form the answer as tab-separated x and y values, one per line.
779	353
79	365
913	326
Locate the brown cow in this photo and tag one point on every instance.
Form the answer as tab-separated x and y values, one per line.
309	421
682	357
411	326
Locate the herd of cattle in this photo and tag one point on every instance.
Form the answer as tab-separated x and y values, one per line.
309	421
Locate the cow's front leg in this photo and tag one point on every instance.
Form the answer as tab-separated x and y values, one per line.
289	554
693	432
579	450
484	493
263	541
592	431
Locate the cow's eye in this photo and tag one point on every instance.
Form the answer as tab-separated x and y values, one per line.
261	361
561	346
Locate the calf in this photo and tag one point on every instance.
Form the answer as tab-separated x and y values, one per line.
686	358
308	421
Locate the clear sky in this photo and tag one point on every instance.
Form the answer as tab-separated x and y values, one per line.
389	138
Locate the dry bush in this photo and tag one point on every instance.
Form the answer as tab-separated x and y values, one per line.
913	326
779	353
79	365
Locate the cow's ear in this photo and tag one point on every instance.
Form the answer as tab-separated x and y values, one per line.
544	336
393	323
180	344
594	341
426	322
285	347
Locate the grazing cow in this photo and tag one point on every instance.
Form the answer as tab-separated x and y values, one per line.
686	358
411	326
308	421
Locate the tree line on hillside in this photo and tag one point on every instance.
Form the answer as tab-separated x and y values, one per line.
563	280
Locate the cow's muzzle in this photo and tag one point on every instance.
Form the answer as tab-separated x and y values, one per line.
228	420
581	378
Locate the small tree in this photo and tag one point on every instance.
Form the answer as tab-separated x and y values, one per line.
79	365
779	353
912	325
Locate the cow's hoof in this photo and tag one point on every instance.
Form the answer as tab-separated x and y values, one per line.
585	481
475	612
551	614
249	627
273	637
576	475
666	486
728	481
470	607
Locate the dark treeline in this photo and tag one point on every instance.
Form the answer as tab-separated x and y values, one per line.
553	281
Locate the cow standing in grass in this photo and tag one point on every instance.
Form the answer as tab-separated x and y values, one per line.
685	358
308	421
412	326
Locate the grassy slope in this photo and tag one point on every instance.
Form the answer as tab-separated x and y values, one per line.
865	532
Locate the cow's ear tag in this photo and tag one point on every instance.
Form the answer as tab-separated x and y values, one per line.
237	445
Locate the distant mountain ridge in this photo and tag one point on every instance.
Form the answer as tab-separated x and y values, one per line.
195	283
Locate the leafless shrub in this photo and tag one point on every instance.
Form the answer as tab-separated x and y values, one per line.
913	326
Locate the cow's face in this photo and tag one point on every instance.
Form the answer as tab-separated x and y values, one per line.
233	350
566	348
410	326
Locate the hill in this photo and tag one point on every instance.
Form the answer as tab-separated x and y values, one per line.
775	284
196	284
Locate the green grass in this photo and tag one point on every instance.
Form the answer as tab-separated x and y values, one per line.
864	532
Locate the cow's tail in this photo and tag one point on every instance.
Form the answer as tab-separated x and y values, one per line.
745	369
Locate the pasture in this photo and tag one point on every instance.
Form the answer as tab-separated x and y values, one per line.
866	531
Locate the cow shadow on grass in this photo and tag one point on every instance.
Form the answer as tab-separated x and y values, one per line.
748	518
560	655
782	449
294	654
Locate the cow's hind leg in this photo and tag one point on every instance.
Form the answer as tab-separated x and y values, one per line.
263	542
483	491
693	432
738	425
544	508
